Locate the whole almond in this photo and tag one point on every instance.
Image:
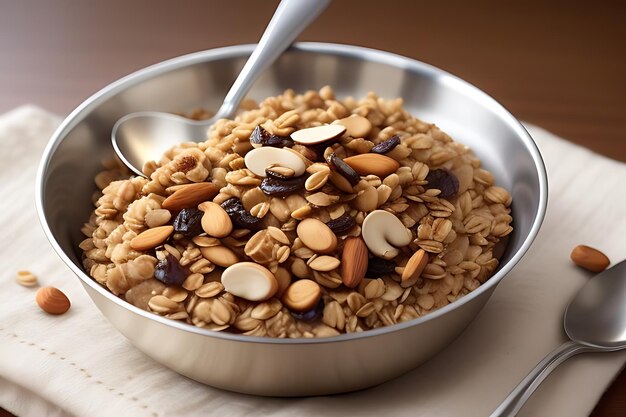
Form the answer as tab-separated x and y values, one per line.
354	260
415	266
590	258
372	163
302	295
52	300
151	238
190	195
215	221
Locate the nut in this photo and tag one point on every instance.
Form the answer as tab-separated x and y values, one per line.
317	236
590	258
317	180
372	163
158	217
317	134
357	126
414	268
324	263
302	295
215	221
220	255
151	238
259	159
250	281
190	195
26	278
384	233
354	260
52	300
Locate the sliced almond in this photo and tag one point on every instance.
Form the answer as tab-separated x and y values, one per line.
317	134
151	238
190	195
372	163
317	180
384	233
259	159
357	126
215	221
302	295
249	281
354	260
414	267
317	236
220	255
324	263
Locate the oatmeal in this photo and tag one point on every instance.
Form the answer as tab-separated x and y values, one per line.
304	216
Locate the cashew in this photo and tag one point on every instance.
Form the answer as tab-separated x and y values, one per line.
250	281
257	160
384	233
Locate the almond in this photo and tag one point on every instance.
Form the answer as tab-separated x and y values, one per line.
302	295
414	267
151	238
357	126
354	261
215	221
190	195
372	163
590	258
324	263
220	255
317	134
52	300
317	236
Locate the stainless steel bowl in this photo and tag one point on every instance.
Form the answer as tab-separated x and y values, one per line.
279	367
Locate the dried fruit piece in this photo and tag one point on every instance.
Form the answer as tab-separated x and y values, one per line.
443	180
377	267
318	134
52	300
384	233
169	271
387	145
190	195
372	163
317	236
215	221
354	262
302	295
342	168
590	258
311	315
151	238
239	216
250	281
261	137
342	224
259	159
282	187
357	126
188	222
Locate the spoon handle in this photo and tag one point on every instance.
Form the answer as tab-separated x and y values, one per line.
289	20
522	392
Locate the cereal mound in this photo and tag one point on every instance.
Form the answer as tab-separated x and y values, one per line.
304	216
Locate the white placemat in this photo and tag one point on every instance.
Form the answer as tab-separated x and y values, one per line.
78	364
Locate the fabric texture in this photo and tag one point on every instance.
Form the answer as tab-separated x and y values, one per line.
78	364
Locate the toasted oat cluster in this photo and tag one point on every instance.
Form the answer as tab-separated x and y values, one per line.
305	216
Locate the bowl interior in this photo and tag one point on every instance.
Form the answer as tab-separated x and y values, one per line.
73	156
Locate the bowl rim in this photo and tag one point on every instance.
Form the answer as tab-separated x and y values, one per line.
237	51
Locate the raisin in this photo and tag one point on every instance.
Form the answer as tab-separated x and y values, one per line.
282	187
387	145
188	222
443	180
262	137
341	224
313	314
169	271
343	169
240	217
377	267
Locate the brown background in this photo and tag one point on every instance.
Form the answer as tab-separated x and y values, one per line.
560	65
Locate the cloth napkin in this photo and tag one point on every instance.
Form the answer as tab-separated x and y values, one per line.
78	364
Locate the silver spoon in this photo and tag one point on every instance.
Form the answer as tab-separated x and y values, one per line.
595	321
145	136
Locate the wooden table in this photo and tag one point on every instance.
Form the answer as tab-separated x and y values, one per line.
560	66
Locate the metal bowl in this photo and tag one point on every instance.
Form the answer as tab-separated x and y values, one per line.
279	367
